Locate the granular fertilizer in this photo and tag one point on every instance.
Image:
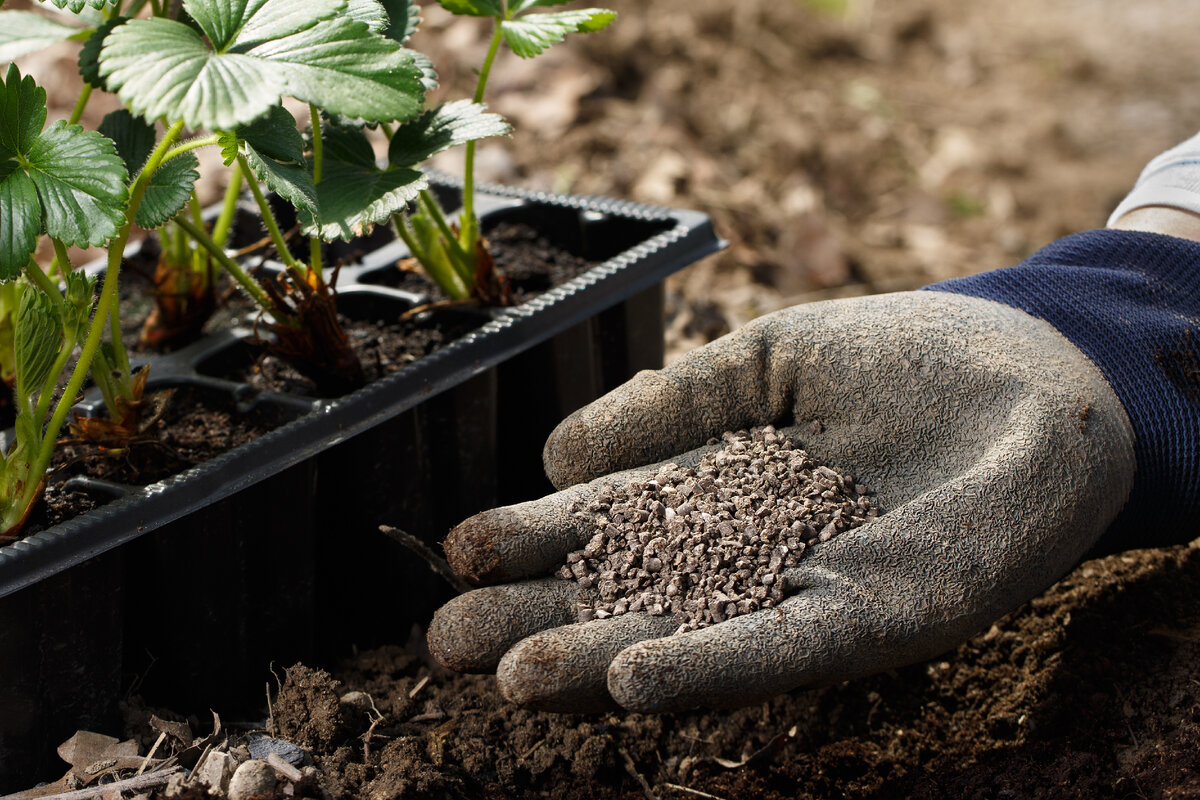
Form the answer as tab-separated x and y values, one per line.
714	542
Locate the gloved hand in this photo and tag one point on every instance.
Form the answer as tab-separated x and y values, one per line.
998	451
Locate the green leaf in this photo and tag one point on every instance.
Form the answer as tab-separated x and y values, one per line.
517	6
531	35
352	197
24	32
354	192
89	55
474	8
428	73
244	22
290	181
76	6
348	145
274	135
38	336
160	67
369	12
22	113
343	69
66	181
133	136
442	128
81	184
263	49
275	150
20	223
404	16
168	191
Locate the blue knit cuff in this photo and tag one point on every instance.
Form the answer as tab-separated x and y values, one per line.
1131	302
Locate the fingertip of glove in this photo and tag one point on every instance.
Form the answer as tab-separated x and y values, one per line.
453	639
636	679
538	674
471	547
561	456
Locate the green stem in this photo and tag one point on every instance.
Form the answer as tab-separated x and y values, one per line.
314	242
248	283
194	208
96	329
401	227
229	207
462	261
467	225
60	256
34	274
80	104
191	144
197	256
264	208
41	280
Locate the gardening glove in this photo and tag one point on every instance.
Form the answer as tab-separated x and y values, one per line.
999	451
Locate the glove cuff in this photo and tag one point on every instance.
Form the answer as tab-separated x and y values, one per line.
1171	179
1130	301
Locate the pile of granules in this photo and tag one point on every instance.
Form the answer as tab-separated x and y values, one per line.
710	543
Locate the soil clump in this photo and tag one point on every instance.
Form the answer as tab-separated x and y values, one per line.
713	542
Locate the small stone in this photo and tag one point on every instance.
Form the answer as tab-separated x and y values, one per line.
254	779
216	771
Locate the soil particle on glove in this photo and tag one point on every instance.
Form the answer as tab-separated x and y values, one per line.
714	542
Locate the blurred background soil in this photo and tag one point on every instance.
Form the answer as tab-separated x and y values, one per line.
847	147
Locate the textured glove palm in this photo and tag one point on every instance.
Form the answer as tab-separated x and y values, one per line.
998	451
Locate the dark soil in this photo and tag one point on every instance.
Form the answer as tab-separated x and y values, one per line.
1087	691
530	262
191	428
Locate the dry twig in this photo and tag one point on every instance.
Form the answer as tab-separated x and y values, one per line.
138	783
284	768
631	768
435	562
691	791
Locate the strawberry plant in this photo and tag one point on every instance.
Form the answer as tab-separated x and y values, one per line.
201	73
357	192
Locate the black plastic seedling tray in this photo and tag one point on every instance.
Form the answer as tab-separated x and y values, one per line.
187	589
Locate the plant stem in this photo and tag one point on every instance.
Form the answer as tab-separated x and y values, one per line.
80	104
41	280
467	227
61	259
461	260
314	242
233	190
248	283
191	144
35	275
264	208
115	251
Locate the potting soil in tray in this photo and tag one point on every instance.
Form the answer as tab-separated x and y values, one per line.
529	261
194	426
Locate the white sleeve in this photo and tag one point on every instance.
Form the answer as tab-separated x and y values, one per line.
1170	179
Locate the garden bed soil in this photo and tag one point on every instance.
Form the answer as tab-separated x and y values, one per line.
1087	691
